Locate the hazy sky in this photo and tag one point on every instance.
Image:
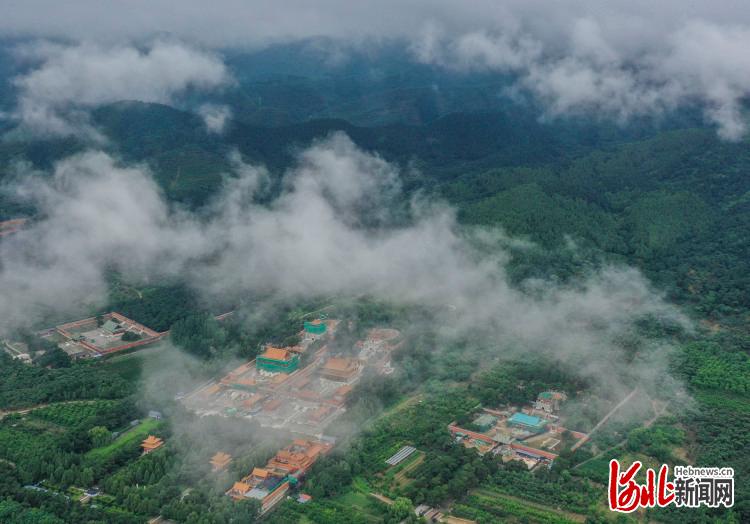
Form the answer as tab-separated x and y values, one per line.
616	58
627	24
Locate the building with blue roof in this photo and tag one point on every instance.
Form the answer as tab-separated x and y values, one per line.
527	422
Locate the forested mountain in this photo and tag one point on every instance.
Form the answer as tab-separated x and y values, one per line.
665	195
671	201
676	205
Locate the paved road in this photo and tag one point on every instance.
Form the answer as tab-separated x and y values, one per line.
604	420
658	412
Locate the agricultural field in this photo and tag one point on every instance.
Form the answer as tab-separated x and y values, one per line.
486	506
400	474
24	442
71	414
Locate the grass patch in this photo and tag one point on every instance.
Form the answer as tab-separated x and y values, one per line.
362	503
138	433
354	498
360	485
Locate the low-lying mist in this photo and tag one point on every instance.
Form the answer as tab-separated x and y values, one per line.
340	226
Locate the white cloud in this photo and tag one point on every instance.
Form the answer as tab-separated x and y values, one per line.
586	70
96	214
331	231
616	59
70	79
710	63
215	117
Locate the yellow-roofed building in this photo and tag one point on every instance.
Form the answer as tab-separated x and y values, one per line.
220	461
277	360
151	443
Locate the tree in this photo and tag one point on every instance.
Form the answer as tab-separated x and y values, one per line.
100	436
54	358
401	510
198	334
130	336
87	476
